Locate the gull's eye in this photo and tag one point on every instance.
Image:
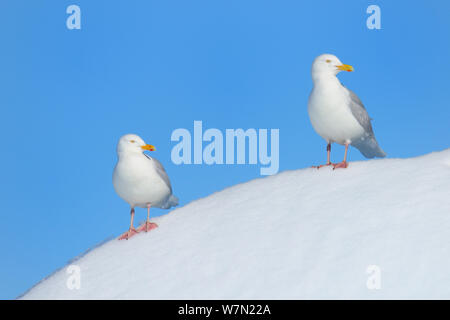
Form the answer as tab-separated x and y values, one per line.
132	141
328	60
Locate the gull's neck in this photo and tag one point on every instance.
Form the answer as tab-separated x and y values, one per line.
327	80
127	154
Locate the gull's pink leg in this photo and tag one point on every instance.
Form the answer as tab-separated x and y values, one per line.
344	163
132	231
147	226
328	158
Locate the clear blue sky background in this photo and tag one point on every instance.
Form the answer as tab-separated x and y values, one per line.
149	67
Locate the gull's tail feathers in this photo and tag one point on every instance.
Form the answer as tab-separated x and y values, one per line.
369	148
171	202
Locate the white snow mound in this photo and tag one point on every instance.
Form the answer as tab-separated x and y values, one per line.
377	230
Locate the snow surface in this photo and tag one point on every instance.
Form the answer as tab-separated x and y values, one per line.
300	234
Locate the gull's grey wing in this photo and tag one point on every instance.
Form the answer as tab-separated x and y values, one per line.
360	112
161	171
368	145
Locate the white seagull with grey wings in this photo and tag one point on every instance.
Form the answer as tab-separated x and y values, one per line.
337	114
141	181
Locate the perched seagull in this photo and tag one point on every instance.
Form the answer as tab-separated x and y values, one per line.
337	114
141	181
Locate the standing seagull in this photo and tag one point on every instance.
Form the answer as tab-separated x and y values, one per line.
337	114
141	181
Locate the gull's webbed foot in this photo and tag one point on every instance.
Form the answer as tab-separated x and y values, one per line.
147	226
127	235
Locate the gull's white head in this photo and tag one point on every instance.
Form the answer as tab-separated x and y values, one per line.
132	143
328	65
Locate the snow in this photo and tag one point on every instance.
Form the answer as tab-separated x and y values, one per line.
303	234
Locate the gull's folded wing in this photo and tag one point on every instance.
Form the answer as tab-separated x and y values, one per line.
360	112
161	171
367	145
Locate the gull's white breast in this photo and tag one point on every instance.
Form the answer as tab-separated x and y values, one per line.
136	181
330	114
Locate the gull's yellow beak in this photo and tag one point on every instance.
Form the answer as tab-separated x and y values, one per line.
345	67
148	147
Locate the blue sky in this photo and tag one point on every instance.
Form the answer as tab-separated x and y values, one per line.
150	67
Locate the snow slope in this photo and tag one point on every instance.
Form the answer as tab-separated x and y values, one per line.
300	234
